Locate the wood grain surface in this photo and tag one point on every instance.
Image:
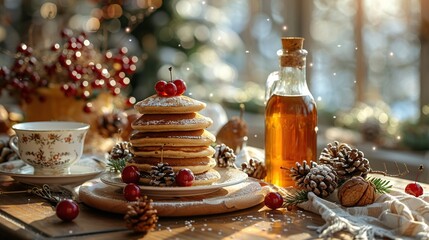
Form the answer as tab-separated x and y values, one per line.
25	216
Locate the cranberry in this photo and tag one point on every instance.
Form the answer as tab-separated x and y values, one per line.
414	189
67	210
130	101
180	85
273	200
55	47
123	50
185	177
160	88
131	192
88	108
170	89
130	174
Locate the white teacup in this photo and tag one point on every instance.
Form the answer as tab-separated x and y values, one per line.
50	147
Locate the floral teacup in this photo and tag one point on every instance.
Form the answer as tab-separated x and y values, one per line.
50	147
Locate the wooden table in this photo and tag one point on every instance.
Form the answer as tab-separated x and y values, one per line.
25	216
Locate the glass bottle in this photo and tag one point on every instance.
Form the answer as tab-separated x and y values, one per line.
290	115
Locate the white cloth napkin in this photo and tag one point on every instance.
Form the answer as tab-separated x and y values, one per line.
396	216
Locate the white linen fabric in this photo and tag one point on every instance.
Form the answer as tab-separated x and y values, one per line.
396	215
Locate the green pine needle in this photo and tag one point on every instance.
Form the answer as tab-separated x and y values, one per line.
116	165
381	186
296	198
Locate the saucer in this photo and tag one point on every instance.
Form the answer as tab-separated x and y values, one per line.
229	176
85	169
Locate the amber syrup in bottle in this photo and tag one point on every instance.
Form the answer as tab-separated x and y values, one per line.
290	116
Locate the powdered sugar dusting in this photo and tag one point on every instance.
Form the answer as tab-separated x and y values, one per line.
191	121
176	101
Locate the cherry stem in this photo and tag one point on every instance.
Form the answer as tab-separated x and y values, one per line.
242	107
418	173
171	73
162	153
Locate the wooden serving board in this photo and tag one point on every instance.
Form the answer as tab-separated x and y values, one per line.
228	199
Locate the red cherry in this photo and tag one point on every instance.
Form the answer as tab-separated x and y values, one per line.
414	189
170	89
130	174
131	192
67	210
185	177
160	88
180	85
273	200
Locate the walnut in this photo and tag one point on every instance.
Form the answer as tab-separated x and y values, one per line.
356	192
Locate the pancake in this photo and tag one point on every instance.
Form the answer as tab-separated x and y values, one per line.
169	105
171	122
199	137
196	165
205	178
173	152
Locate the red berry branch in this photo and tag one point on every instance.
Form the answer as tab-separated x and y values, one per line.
74	65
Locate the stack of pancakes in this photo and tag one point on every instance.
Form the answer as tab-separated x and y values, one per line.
172	131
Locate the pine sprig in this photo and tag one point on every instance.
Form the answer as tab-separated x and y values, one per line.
296	198
381	186
116	165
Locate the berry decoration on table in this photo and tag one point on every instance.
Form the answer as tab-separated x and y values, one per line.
67	210
185	177
273	200
171	88
130	174
131	192
141	217
415	188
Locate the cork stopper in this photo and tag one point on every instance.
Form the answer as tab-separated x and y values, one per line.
292	43
292	54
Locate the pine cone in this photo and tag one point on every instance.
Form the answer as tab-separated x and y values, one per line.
141	216
346	161
224	156
162	175
299	172
112	123
121	150
255	169
322	180
6	153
